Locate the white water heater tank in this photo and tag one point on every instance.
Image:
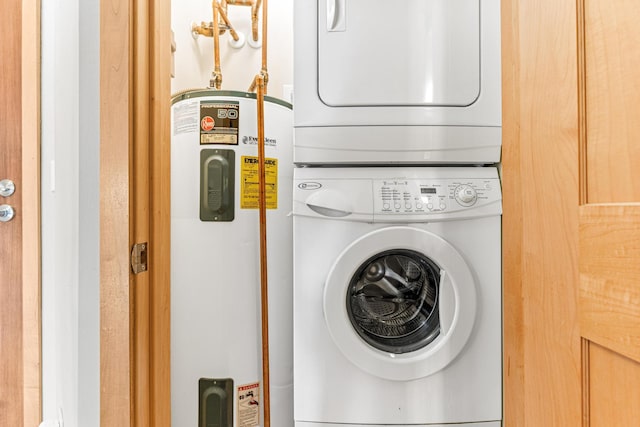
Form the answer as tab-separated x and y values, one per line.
216	369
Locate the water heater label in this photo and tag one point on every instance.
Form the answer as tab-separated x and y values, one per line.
219	122
248	405
250	187
185	117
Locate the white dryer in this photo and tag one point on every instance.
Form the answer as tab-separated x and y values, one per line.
397	297
416	81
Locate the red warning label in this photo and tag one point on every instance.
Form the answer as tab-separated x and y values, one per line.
248	405
207	123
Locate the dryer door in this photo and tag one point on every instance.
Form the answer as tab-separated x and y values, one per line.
402	53
400	303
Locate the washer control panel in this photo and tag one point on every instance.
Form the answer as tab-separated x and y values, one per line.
418	196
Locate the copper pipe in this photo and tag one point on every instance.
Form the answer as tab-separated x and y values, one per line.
262	204
228	23
206	29
254	19
225	8
216	76
203	29
264	72
240	2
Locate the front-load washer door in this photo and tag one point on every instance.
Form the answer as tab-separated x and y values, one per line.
400	303
400	53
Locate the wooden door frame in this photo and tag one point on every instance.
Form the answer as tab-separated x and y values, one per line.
512	300
542	345
135	205
30	191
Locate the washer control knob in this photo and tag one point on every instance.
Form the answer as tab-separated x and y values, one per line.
465	195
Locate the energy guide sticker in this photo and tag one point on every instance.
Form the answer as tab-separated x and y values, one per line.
248	405
219	122
250	185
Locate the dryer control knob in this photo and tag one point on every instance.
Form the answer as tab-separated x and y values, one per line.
465	195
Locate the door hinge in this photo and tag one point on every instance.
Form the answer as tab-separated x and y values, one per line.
139	257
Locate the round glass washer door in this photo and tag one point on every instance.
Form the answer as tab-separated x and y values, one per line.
392	301
400	303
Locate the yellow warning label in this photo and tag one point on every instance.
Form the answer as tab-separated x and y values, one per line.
249	185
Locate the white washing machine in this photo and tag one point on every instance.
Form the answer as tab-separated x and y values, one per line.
416	81
397	297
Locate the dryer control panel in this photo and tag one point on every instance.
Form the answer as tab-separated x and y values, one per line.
432	196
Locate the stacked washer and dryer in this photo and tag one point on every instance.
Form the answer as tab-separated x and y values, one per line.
397	213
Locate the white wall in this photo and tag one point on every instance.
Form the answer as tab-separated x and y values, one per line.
194	58
89	217
70	219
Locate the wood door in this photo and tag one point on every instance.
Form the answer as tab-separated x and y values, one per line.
571	98
19	241
135	64
609	215
11	342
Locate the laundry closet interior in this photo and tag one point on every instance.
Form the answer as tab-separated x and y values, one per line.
362	255
382	209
